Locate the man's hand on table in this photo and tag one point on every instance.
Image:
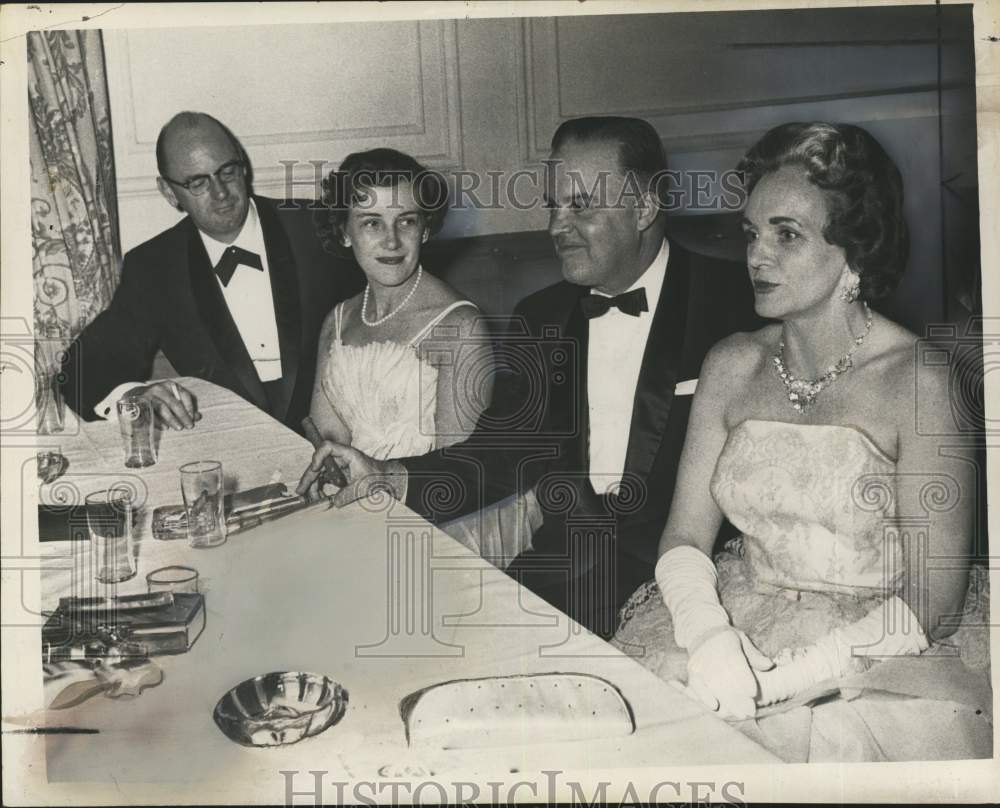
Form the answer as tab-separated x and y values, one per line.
365	476
173	404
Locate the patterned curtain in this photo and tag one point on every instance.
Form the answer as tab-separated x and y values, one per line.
76	254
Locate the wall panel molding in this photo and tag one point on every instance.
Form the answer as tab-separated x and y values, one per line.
425	120
708	125
710	84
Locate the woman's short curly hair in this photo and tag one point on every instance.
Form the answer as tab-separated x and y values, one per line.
864	191
378	168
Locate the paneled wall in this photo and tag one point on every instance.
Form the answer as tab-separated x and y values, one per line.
292	94
484	96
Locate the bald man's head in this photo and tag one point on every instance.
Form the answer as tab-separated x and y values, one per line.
182	126
194	145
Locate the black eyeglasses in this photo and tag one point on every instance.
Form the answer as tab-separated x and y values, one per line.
227	173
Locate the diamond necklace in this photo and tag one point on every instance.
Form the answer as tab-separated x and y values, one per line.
803	392
395	311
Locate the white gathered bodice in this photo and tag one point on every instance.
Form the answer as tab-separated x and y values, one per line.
385	392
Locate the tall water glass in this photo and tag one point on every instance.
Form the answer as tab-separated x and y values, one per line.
49	406
202	488
135	421
109	521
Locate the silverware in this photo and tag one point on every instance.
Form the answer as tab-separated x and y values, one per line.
52	731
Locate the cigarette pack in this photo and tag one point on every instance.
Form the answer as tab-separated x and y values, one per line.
86	627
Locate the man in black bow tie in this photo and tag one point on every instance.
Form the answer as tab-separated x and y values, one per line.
596	429
235	293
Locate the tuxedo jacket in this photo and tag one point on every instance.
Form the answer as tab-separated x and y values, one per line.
535	432
169	299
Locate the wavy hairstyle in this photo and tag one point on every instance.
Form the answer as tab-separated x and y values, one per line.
377	168
864	191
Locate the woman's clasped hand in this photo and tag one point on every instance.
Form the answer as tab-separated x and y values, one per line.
723	670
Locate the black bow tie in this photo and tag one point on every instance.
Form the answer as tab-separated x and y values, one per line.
632	303
233	257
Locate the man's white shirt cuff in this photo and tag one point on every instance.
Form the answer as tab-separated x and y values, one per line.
106	406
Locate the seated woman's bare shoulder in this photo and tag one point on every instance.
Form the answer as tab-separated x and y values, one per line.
347	312
739	356
440	296
463	320
729	369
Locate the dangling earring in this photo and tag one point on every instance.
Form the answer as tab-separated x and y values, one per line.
852	289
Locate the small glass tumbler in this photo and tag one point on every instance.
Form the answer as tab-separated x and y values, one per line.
174	579
109	521
49	406
202	489
135	421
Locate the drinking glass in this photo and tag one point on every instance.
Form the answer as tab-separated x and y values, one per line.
202	489
173	579
135	421
109	521
49	406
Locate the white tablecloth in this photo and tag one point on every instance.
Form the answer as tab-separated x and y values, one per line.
253	447
369	595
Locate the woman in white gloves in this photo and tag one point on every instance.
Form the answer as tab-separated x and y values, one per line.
824	621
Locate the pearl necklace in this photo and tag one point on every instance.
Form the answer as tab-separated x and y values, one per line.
395	311
803	392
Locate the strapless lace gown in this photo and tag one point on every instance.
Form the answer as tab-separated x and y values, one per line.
386	394
819	549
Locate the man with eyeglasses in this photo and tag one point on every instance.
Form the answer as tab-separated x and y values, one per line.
235	293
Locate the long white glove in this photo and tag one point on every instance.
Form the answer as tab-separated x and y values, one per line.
890	629
720	658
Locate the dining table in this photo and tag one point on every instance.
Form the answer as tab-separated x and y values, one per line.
370	595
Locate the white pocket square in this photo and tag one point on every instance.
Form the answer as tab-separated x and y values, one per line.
686	388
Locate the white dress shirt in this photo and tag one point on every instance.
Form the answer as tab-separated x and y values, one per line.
615	348
248	296
250	302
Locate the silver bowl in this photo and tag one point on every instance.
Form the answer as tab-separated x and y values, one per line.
277	709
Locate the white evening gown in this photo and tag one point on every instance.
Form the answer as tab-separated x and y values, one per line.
386	394
820	547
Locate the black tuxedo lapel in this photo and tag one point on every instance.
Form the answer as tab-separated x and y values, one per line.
287	309
215	315
660	362
577	408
